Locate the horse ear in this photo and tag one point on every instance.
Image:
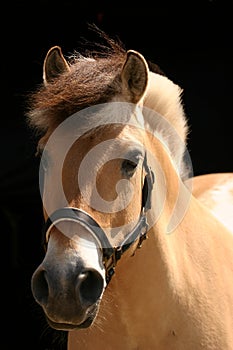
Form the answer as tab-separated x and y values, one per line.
134	76
54	64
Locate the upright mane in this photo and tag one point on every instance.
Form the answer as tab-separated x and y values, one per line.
93	78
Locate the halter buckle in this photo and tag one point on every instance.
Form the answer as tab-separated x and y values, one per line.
110	262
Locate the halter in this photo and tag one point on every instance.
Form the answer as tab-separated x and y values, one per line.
111	254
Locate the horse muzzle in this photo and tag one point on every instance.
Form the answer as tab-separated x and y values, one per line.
70	281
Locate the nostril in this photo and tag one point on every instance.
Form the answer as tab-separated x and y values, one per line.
90	286
40	288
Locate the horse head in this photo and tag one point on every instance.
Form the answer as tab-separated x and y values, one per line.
91	162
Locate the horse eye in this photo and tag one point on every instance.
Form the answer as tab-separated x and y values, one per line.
129	167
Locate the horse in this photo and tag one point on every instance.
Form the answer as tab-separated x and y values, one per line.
138	250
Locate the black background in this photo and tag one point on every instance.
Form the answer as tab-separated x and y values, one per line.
192	43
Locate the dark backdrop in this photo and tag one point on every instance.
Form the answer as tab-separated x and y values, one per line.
192	43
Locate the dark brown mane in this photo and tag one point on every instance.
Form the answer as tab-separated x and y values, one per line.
94	78
88	83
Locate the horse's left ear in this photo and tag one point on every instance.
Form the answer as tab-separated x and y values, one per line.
134	76
54	64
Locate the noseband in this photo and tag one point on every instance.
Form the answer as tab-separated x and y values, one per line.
111	254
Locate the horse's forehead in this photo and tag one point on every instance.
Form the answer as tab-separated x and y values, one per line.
123	136
111	119
101	149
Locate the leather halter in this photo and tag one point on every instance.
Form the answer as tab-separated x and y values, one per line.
111	254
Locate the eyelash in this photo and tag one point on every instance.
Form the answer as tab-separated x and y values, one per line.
129	167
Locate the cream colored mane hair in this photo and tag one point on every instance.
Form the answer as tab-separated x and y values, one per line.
164	97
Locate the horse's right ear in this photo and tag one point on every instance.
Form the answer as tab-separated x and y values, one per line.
54	64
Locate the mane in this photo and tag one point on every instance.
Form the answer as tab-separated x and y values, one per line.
94	78
165	98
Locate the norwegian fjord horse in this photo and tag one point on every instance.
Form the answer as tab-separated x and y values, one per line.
113	137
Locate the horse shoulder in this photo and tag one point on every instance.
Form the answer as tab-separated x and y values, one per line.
215	191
